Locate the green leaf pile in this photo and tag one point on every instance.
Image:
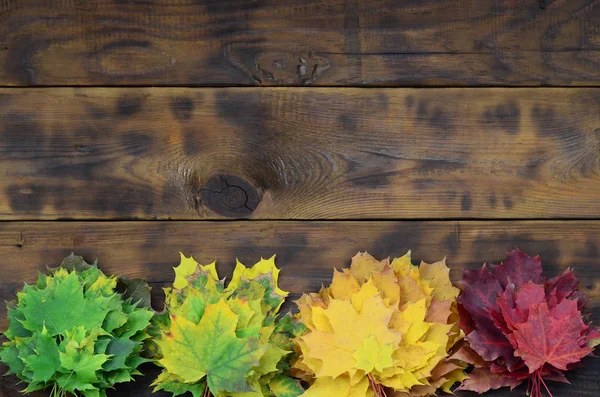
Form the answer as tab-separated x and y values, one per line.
77	331
226	341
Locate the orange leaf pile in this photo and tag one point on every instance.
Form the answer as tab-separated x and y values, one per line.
381	328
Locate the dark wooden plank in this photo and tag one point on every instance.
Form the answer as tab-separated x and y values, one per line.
298	42
307	253
290	153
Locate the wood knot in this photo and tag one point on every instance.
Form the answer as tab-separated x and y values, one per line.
279	67
230	195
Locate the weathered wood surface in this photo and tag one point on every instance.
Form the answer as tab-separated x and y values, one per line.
298	42
285	153
307	252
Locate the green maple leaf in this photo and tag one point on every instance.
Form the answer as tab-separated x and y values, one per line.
94	393
114	319
78	355
73	263
195	301
135	290
71	382
10	356
15	316
250	317
118	376
63	307
173	384
286	329
72	332
119	349
212	349
137	321
46	361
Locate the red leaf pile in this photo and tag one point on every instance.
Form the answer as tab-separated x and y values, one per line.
521	326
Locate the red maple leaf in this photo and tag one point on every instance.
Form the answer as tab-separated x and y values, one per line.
519	268
522	326
565	286
481	380
552	338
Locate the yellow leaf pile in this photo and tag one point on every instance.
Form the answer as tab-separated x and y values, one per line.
381	329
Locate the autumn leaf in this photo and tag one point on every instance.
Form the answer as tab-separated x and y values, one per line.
210	349
521	326
380	328
284	386
226	341
74	332
482	380
550	338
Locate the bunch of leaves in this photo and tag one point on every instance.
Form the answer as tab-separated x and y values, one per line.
522	326
77	331
381	329
226	341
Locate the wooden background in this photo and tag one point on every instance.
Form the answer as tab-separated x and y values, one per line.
134	129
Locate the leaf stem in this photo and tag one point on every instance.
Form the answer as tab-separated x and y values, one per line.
206	392
544	383
377	388
534	385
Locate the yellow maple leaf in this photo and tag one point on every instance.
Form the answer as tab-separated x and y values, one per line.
340	331
340	386
379	325
188	267
264	266
437	276
344	285
373	355
364	265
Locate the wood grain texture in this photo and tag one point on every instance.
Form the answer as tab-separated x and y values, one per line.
298	42
288	153
306	251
